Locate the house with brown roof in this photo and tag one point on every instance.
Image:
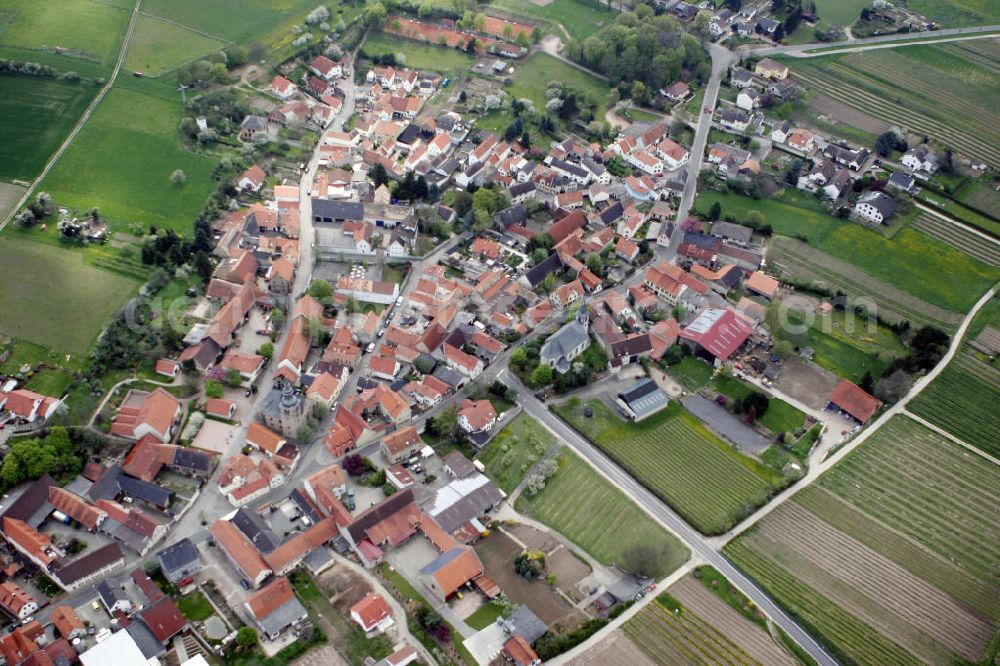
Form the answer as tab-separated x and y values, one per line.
854	401
264	439
762	285
16	601
400	445
324	390
67	622
167	367
467	364
383	367
240	552
372	614
252	179
325	487
221	408
155	413
518	651
476	416
450	571
567	294
77	508
25	406
275	608
163	618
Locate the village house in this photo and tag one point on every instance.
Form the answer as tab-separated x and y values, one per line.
875	207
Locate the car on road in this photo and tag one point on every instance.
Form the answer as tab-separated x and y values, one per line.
370	348
399	301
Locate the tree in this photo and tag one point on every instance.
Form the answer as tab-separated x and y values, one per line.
213	388
783	349
536	34
715	212
445	424
542	375
203	265
178	177
246	637
889	141
595	263
321	290
754	219
754	405
374	14
233	377
548	283
266	350
538	256
379	175
867	383
638	92
354	465
643	559
893	386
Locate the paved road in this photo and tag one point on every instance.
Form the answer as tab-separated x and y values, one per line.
666	516
83	118
722	59
865	43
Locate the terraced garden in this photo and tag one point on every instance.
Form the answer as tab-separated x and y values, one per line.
584	507
972	244
689	625
963	400
676	457
917	87
891	558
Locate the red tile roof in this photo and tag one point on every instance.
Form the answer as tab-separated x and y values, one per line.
228	537
158	410
28	539
75	507
855	401
371	610
66	620
518	650
219	407
163	618
402	440
263	438
719	331
566	226
457	572
478	413
270	598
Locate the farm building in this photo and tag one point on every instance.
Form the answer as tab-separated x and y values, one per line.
642	399
715	334
854	401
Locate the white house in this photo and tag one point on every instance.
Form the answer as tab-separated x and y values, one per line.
875	207
920	158
748	99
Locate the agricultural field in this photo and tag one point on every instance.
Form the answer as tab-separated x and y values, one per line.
514	449
890	558
65	314
417	55
790	212
580	18
90	31
846	345
235	20
957	13
934	90
676	457
805	263
36	114
959	238
122	161
691	625
963	400
158	47
9	196
588	510
981	195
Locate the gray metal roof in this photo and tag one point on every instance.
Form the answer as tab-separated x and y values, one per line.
644	398
282	617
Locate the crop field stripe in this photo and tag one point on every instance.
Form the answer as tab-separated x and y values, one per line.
859	640
978	369
661	640
980	595
689	634
959	238
857	97
914	508
877	581
827	77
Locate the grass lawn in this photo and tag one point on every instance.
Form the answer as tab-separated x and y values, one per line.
581	18
65	314
393	273
584	507
159	47
533	75
36	114
955	13
514	449
122	160
779	417
840	12
675	456
847	345
691	372
90	31
418	55
195	607
914	262
790	213
485	616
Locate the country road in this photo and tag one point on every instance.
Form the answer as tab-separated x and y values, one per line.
666	516
83	118
815	49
